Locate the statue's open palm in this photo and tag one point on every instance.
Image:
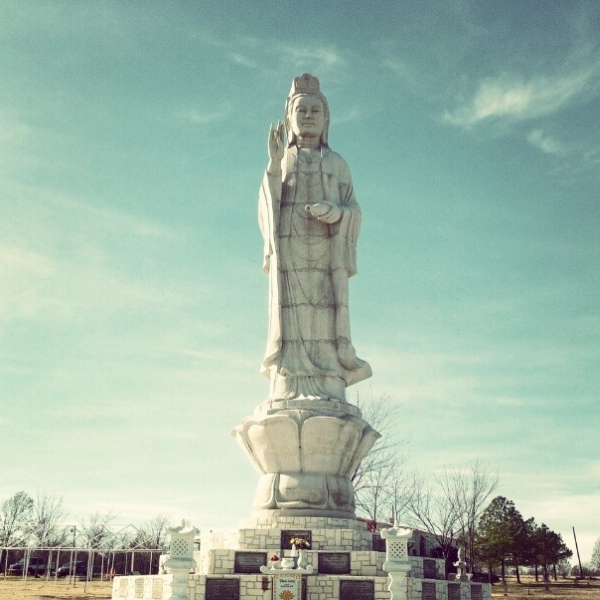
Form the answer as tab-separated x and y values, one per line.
276	142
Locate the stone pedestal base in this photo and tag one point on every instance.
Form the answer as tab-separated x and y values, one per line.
305	451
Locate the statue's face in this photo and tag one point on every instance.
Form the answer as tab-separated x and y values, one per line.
308	117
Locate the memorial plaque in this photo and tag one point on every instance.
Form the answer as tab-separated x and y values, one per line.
358	589
287	586
139	588
288	534
378	543
454	591
157	589
428	590
123	585
476	592
222	589
429	570
334	563
249	562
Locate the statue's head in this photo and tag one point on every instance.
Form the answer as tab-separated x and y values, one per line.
305	93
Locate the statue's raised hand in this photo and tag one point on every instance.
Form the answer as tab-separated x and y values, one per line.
276	146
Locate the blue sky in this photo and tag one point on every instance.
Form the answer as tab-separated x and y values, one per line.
132	302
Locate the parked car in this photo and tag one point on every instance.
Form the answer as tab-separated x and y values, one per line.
77	567
37	566
482	577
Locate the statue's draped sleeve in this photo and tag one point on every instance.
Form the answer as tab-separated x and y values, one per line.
268	219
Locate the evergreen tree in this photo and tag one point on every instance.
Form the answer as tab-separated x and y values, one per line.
501	534
595	562
549	549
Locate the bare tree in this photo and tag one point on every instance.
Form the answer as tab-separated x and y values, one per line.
450	504
380	480
428	507
14	517
15	514
48	513
152	533
96	531
467	491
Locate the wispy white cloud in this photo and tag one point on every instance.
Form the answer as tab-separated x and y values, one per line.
114	218
351	114
60	258
12	129
301	56
546	143
203	117
37	286
244	61
592	156
510	401
65	209
13	258
511	97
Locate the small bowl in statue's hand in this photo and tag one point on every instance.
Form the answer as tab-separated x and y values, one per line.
319	209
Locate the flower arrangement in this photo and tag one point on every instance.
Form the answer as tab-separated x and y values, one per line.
300	543
274	558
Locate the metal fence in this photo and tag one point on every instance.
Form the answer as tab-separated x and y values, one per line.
77	564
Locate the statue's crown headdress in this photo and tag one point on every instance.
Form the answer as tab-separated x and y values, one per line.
305	84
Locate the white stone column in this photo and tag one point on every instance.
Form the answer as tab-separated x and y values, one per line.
397	563
181	560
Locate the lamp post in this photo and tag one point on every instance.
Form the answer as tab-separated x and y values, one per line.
72	569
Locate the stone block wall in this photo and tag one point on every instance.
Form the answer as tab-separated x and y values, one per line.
158	587
148	587
416	592
332	540
219	539
255	539
367	563
250	587
222	562
336	539
326	588
283	522
417	570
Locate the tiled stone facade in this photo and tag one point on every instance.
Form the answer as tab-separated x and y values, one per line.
157	587
149	587
332	540
415	590
222	562
284	522
324	588
217	559
417	570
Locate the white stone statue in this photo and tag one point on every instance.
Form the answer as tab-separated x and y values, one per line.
310	221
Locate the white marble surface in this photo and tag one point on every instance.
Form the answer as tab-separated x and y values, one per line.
305	460
310	222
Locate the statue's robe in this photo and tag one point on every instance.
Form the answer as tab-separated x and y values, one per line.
309	350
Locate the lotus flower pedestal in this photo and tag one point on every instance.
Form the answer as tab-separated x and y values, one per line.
305	452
